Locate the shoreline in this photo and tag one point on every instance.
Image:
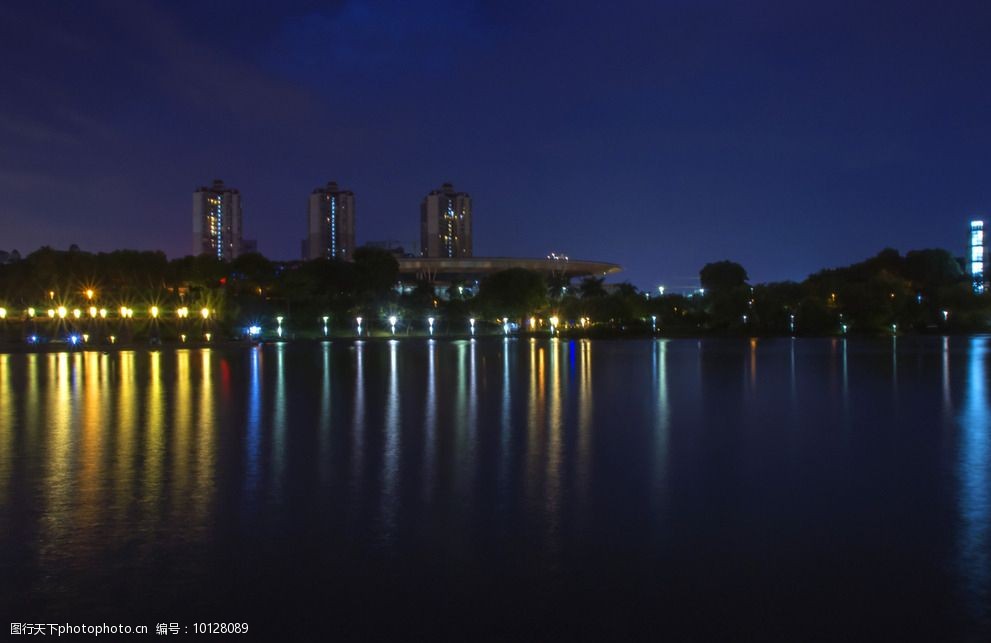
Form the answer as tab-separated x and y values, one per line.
21	348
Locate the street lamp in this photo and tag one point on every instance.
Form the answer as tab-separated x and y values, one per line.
505	325
77	313
154	312
430	323
3	313
358	320
660	290
791	322
471	323
89	294
653	323
61	312
946	315
392	323
553	321
93	312
103	313
182	313
205	313
279	322
325	320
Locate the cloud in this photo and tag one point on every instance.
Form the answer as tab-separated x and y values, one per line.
372	40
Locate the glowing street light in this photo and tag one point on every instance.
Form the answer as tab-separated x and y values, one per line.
325	320
77	313
533	323
154	312
791	322
31	312
894	329
51	313
89	294
430	323
205	313
208	336
182	313
358	321
103	313
471	322
505	325
660	290
93	311
3	313
946	315
113	339
392	322
182	338
653	323
61	312
278	330
843	328
553	321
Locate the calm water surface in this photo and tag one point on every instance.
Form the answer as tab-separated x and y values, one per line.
678	489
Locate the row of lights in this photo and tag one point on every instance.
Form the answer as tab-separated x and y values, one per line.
125	312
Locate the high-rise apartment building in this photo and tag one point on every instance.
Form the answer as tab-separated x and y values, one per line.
217	221
445	223
977	254
330	224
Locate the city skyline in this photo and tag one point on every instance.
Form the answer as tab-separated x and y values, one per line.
786	140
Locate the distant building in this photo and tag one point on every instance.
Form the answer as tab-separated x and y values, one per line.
445	224
330	224
217	221
977	253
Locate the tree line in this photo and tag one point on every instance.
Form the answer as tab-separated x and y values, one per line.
921	291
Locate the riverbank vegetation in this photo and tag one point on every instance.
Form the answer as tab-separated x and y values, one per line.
52	295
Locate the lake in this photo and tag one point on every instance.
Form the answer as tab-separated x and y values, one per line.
789	489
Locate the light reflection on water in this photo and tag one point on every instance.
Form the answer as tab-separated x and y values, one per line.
542	457
975	479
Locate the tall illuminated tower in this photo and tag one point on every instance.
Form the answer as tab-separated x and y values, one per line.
217	221
977	252
330	224
445	223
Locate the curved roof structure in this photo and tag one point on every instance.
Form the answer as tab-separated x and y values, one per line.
472	268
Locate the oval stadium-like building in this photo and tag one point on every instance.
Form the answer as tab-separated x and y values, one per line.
445	270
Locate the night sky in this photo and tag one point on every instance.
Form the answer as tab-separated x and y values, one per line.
787	136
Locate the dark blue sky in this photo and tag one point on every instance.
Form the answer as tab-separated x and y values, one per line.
788	136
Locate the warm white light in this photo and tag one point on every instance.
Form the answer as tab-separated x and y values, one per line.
154	312
61	312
